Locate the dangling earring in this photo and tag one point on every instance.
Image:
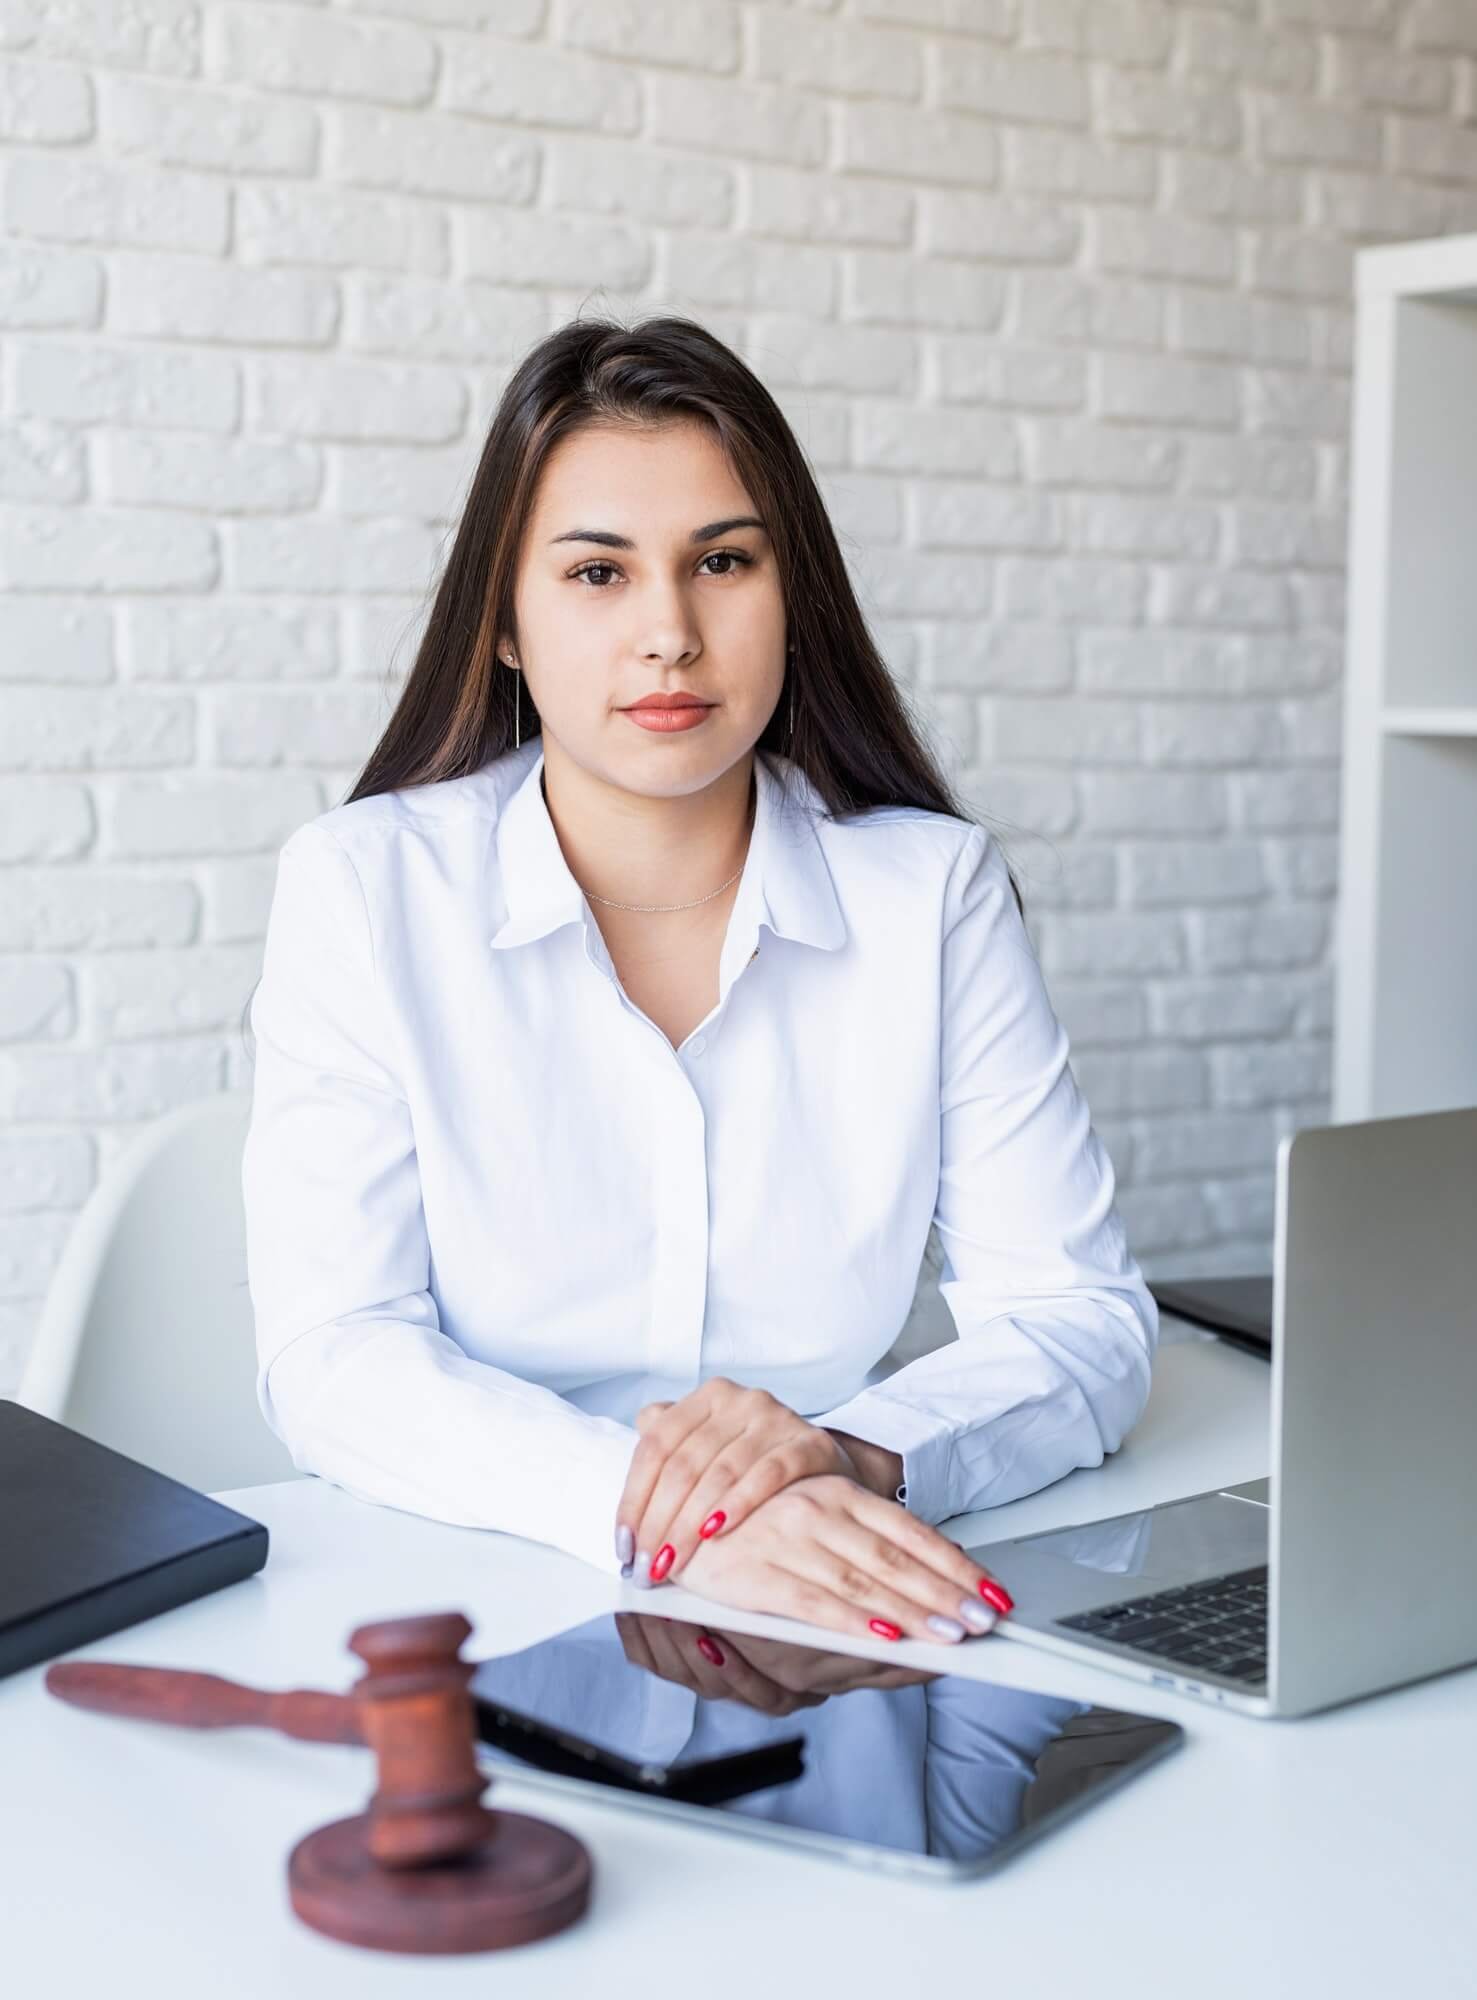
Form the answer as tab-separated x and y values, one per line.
517	703
791	650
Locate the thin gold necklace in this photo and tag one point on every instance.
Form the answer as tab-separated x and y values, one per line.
654	909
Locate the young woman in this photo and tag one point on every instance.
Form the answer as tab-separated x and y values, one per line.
623	1033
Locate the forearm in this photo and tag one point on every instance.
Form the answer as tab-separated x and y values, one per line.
1010	1406
398	1414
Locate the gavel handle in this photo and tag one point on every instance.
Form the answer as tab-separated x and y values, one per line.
204	1701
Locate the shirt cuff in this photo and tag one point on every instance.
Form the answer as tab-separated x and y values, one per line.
576	1512
924	1443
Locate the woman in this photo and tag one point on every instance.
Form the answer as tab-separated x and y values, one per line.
612	1063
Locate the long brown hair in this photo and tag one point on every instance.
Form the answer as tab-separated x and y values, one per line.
853	735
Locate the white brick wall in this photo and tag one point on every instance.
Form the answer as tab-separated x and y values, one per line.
1057	293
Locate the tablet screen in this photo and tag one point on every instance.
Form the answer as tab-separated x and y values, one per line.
897	1763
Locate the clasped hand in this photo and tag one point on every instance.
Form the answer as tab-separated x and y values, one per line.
773	1675
754	1507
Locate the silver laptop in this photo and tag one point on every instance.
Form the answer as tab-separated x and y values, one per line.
1352	1568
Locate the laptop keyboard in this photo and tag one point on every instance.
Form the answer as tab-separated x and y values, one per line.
1219	1624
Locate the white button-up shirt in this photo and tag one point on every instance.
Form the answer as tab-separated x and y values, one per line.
491	1211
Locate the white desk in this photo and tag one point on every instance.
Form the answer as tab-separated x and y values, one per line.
1330	1856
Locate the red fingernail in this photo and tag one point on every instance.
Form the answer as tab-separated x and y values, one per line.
996	1594
713	1523
885	1629
662	1561
711	1650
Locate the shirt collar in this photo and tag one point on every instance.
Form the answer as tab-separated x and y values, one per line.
786	881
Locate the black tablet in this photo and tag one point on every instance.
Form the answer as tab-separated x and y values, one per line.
895	1767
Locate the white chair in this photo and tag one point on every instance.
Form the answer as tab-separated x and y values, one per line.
147	1339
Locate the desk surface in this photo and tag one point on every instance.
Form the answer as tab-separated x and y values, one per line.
1326	1856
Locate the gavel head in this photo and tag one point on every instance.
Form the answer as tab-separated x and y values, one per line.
428	1868
418	1719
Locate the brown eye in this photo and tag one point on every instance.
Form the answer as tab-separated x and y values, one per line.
586	570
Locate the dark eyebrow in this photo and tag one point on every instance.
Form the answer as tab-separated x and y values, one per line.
709	533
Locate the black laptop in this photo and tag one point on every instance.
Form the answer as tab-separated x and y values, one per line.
91	1541
1238	1309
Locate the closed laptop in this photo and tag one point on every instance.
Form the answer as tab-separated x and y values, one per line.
92	1541
1239	1309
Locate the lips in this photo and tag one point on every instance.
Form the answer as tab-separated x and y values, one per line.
669	721
669	701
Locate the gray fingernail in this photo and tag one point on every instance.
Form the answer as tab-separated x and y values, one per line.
947	1628
642	1577
625	1543
626	1568
976	1616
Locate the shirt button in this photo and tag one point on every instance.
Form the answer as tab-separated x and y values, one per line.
697	1045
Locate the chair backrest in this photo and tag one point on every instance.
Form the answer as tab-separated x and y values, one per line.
147	1341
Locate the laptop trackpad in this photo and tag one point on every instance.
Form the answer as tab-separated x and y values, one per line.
1066	1570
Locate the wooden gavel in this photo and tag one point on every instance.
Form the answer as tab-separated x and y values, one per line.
428	1867
204	1701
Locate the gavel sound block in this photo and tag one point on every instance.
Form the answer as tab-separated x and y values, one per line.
428	1867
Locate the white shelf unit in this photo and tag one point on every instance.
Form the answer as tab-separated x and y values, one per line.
1405	1023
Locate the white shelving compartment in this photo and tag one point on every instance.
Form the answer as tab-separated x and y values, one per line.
1405	1036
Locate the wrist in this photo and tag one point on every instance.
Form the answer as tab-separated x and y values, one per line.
870	1465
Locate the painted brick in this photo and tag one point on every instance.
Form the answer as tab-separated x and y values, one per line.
1057	296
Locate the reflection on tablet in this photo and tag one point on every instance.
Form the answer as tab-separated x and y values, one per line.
898	1762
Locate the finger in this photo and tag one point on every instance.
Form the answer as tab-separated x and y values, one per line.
818	1669
653	1448
771	1658
679	1658
684	1466
908	1597
842	1672
631	1627
889	1677
744	1682
800	1593
647	1415
720	1403
646	1643
736	1483
935	1551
